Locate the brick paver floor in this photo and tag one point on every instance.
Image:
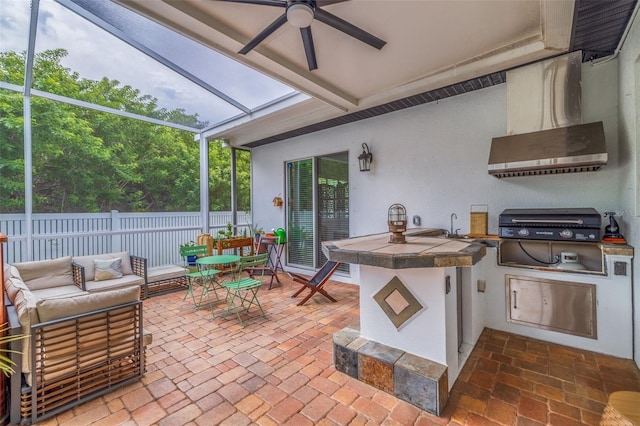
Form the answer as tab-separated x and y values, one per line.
279	370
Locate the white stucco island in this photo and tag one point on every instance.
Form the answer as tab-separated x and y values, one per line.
418	298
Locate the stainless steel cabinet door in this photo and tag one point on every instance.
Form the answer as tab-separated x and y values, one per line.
552	305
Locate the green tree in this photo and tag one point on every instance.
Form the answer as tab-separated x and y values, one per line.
85	160
243	178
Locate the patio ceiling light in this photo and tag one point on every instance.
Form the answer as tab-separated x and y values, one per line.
300	15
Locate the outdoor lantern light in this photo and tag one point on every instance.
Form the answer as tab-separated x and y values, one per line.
397	223
365	159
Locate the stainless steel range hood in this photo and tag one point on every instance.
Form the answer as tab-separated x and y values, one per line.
544	120
579	148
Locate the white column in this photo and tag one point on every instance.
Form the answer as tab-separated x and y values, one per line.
204	184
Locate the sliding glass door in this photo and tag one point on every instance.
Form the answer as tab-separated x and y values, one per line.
317	208
300	224
333	202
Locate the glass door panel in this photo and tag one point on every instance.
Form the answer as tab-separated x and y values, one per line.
317	207
300	251
333	202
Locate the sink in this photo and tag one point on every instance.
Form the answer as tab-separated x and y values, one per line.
438	233
425	233
459	237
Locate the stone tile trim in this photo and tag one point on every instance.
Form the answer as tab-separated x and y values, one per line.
413	379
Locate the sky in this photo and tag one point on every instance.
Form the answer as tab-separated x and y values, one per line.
94	54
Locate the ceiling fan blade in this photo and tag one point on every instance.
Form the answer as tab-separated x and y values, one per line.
279	3
309	50
347	28
322	3
264	34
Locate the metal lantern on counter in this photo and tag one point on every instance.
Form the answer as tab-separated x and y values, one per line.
397	220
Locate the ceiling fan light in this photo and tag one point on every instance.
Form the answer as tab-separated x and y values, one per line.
299	15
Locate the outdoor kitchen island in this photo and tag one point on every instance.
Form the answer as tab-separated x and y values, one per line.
419	308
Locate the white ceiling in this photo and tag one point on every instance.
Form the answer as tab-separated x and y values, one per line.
430	44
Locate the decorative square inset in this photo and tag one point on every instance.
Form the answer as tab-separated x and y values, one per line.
397	302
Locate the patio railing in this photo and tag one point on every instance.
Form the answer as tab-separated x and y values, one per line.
155	236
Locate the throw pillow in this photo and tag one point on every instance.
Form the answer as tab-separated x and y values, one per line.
108	269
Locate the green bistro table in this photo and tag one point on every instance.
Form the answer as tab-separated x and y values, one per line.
210	262
218	259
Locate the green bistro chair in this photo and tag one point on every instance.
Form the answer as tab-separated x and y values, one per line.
242	292
206	278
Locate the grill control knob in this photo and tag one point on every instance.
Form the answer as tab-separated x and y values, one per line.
566	233
523	232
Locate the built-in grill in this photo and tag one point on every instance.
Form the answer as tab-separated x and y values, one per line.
570	224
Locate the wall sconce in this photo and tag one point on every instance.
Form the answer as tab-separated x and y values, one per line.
397	220
278	201
365	159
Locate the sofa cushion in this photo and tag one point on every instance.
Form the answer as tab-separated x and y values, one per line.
55	292
165	272
25	304
50	309
46	273
10	271
107	269
12	286
13	272
89	269
125	281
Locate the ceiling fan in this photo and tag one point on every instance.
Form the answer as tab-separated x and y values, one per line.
300	14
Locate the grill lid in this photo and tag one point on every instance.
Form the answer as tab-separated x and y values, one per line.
582	217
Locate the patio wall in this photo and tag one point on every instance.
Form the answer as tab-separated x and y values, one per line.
433	159
629	121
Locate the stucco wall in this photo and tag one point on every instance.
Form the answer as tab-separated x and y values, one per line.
629	95
433	159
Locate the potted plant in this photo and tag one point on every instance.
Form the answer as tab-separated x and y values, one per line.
256	232
191	260
6	364
225	234
227	239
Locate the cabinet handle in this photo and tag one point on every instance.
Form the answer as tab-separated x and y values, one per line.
515	299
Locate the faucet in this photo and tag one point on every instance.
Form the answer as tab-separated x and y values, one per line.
453	216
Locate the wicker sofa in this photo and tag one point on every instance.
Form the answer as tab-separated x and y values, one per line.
85	334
